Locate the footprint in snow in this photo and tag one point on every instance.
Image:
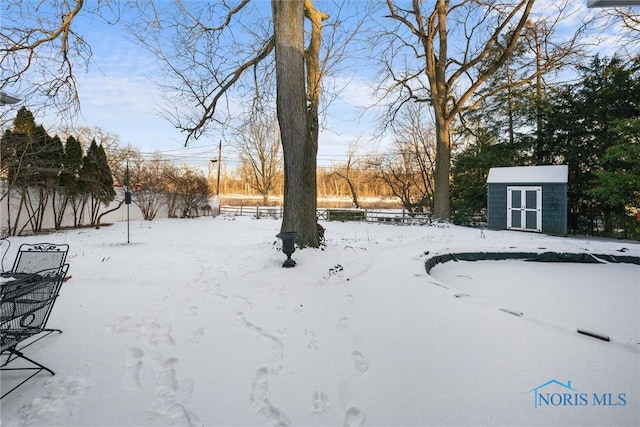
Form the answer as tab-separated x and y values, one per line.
166	382
132	367
354	417
196	335
179	416
343	323
260	387
260	402
320	402
361	364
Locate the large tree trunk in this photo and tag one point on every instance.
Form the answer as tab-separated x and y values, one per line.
440	90
444	69
298	144
441	199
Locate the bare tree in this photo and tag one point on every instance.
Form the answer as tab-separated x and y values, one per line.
148	186
629	19
40	50
297	106
189	191
109	141
170	177
408	170
626	21
454	45
258	143
397	173
142	177
416	142
347	170
213	47
229	55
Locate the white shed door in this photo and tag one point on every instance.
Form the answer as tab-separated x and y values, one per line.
524	208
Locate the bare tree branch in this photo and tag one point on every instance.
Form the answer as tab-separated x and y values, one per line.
462	45
40	50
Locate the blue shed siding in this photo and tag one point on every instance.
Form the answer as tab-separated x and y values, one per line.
497	206
554	206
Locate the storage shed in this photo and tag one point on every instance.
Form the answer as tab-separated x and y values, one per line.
528	198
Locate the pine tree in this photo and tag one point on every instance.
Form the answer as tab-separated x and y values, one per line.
583	127
31	161
96	181
70	177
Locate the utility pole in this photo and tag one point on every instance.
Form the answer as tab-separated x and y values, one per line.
219	161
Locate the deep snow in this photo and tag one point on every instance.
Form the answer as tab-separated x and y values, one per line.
195	323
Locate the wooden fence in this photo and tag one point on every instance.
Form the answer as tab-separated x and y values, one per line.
399	216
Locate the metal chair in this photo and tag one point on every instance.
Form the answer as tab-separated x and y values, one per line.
25	307
32	258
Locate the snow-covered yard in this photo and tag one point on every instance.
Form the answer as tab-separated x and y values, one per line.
195	323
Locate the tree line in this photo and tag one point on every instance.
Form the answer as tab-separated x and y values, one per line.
453	58
73	178
43	171
592	125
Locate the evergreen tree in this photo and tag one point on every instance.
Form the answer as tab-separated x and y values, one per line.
582	126
24	122
31	161
96	179
51	166
617	185
106	192
72	164
470	170
16	147
71	177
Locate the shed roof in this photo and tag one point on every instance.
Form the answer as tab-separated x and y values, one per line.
529	174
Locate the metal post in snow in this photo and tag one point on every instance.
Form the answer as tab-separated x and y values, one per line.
127	196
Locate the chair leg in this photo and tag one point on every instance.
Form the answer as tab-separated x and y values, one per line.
23	381
18	354
22	356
